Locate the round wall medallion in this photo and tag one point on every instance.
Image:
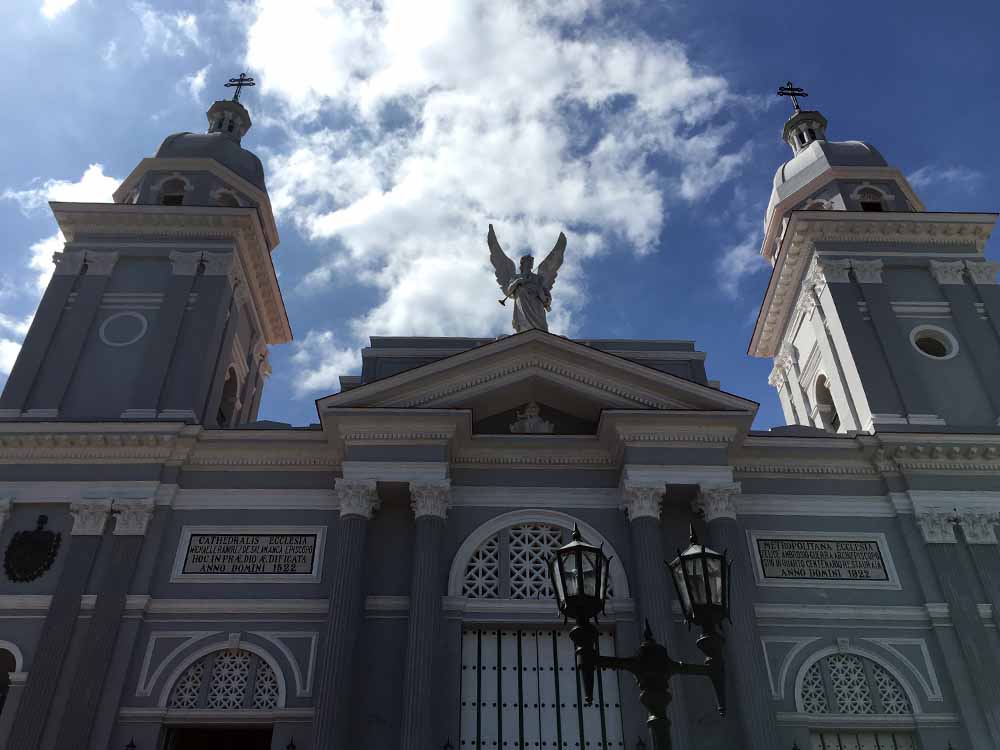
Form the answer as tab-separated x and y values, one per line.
31	553
934	342
124	328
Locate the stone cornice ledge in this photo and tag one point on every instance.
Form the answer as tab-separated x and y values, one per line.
61	442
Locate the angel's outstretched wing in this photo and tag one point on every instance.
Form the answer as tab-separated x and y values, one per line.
549	268
502	265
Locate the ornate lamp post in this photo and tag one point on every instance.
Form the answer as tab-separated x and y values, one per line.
580	580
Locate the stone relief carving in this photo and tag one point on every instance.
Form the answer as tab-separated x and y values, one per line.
983	272
716	500
642	502
528	421
938	527
132	516
867	271
357	498
184	264
979	528
834	269
89	517
948	272
430	499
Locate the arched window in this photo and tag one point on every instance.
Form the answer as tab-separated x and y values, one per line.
871	199
825	406
172	192
227	404
228	680
850	685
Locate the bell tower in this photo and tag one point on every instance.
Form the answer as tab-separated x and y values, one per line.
163	304
879	314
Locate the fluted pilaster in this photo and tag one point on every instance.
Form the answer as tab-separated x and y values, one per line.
745	666
332	722
430	506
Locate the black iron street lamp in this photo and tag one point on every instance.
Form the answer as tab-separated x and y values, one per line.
580	579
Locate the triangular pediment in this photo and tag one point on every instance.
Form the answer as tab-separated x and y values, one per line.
574	379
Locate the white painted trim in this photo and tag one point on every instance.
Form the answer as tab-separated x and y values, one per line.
303	689
538	497
871	506
16	653
642	475
753	535
315	576
839	612
930	684
222	645
456	577
946	334
778	686
256	500
143	327
528	610
396	471
855	649
290	607
877	722
924	501
144	688
172	716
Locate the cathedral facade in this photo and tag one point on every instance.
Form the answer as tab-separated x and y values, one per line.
179	575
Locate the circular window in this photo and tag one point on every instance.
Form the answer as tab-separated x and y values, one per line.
124	328
934	342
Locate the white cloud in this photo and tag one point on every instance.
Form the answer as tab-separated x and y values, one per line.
451	115
194	83
953	176
8	355
9	347
323	360
170	33
53	8
110	54
738	262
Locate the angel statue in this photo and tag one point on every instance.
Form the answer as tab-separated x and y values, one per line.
531	292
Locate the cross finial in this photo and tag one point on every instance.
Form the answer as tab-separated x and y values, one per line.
793	91
239	83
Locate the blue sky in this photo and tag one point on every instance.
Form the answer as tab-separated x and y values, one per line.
393	133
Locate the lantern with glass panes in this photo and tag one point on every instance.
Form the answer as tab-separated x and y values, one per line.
579	572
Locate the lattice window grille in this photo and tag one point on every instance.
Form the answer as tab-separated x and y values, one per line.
482	574
531	545
814	692
852	685
236	679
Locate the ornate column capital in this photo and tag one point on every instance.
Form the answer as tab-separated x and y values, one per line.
89	517
716	500
184	263
100	264
217	264
357	497
948	272
430	499
983	271
979	527
834	270
642	501
67	264
867	271
938	527
132	516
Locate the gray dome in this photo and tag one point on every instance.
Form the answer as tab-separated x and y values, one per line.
820	155
219	146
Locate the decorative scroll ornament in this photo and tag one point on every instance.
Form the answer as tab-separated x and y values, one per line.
89	517
979	527
642	502
948	272
31	553
938	527
357	498
529	421
429	500
716	500
983	272
132	516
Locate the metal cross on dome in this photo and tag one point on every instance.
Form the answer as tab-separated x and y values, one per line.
239	83
793	91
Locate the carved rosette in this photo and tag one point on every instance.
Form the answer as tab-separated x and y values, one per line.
132	516
89	517
937	527
642	502
983	271
867	271
357	497
430	499
979	528
716	500
948	272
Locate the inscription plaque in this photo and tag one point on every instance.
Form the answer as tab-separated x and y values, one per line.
251	554
822	559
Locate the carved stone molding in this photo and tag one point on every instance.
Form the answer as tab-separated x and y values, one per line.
716	500
867	271
938	527
357	497
834	270
979	528
100	264
89	517
983	271
642	502
132	516
948	272
67	264
217	264
430	499
184	264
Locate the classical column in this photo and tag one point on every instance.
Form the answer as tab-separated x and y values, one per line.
746	671
980	534
335	690
430	506
131	519
954	575
89	519
642	506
